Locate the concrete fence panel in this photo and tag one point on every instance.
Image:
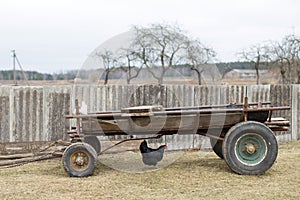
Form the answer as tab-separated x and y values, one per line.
38	113
5	114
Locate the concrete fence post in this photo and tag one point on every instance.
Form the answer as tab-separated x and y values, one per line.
11	114
295	112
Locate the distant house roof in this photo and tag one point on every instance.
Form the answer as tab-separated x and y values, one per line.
248	71
244	73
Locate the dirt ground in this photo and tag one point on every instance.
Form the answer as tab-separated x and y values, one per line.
190	177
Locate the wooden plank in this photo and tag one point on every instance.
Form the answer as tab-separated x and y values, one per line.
142	109
177	112
279	123
26	160
137	114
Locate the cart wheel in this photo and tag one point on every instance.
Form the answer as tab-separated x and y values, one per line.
94	142
79	159
217	147
250	148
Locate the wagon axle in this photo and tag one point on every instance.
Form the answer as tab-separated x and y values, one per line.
80	161
250	148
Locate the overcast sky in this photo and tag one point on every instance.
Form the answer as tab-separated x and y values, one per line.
58	35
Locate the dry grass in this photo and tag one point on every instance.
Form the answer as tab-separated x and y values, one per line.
190	177
167	80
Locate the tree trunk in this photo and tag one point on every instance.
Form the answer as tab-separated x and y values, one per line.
128	75
106	76
199	77
298	75
257	76
198	74
161	77
160	80
282	72
256	69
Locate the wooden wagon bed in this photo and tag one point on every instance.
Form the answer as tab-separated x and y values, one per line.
143	120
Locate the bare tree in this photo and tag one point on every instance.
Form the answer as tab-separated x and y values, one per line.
257	55
130	64
197	56
157	49
160	47
286	54
110	62
224	69
293	57
279	59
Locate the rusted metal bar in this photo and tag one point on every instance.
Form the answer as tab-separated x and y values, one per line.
279	128
245	109
108	115
259	104
77	113
270	115
131	139
179	112
214	137
269	108
216	106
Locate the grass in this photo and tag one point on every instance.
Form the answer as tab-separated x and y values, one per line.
189	177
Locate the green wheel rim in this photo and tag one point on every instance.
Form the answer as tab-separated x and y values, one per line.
251	149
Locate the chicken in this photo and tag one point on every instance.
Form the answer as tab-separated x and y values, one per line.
151	156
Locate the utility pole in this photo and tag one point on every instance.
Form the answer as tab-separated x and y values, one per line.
14	65
15	58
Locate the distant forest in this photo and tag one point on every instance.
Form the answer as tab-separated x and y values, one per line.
71	75
34	75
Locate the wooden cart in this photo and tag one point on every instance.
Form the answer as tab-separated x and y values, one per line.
241	134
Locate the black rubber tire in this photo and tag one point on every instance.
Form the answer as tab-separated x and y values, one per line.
257	158
94	142
217	146
84	150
